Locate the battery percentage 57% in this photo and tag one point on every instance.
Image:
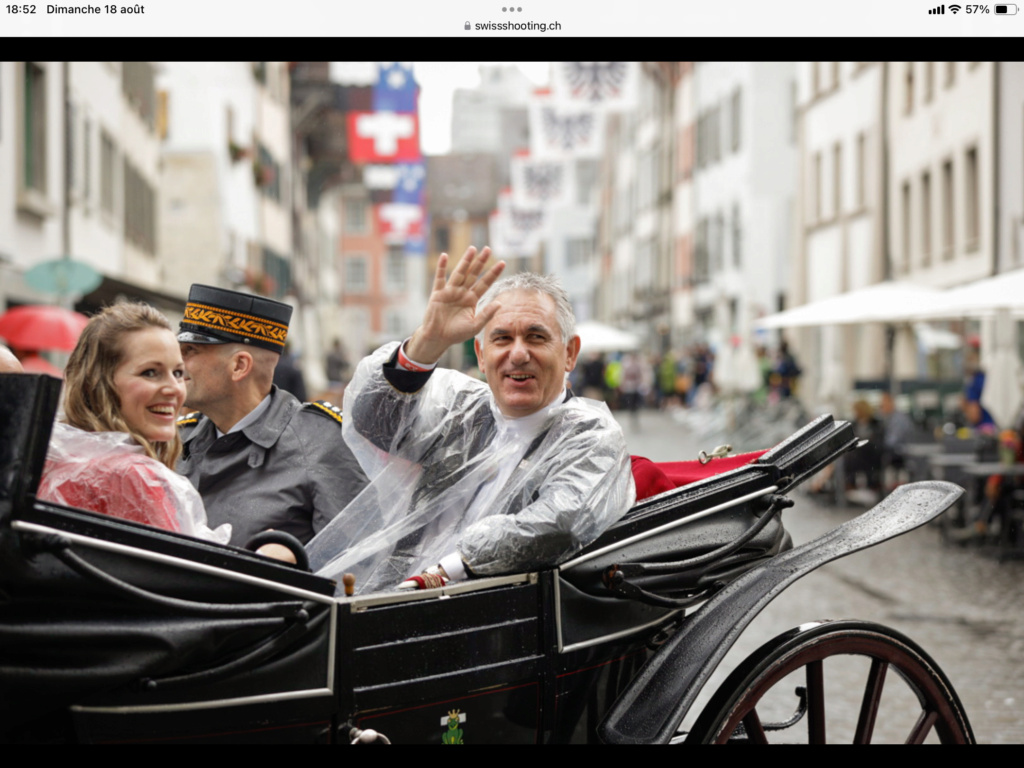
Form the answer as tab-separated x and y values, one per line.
976	8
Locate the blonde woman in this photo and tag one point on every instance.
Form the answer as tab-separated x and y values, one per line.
115	450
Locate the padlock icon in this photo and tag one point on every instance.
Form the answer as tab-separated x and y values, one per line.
467	25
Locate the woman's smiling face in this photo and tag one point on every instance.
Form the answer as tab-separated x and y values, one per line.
150	382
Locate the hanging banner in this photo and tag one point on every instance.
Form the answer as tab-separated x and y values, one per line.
376	137
395	89
515	230
562	131
399	222
540	182
612	85
410	183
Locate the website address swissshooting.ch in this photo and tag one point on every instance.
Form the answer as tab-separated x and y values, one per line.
516	26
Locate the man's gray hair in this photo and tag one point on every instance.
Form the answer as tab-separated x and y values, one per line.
531	281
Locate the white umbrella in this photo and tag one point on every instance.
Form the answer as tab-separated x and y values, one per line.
598	337
882	303
978	299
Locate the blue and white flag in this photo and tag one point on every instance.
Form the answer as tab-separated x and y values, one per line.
395	89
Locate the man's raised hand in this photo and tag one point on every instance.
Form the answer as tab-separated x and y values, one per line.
451	316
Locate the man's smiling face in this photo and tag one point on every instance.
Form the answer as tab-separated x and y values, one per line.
523	355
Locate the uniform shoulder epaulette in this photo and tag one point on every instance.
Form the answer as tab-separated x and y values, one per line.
325	409
189	420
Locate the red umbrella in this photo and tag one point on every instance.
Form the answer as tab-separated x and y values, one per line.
42	326
36	364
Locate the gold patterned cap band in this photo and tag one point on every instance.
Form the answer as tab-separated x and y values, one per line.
219	316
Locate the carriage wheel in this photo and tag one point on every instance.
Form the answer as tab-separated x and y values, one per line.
733	711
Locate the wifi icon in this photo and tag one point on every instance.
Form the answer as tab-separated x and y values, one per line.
954	8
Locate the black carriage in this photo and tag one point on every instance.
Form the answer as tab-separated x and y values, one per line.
112	631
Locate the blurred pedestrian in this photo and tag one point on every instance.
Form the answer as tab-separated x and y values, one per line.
337	366
632	386
787	372
288	375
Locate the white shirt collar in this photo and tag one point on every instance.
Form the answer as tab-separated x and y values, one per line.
248	419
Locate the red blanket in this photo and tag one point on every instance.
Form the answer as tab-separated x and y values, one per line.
652	478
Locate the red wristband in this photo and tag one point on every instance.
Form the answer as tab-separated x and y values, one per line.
408	364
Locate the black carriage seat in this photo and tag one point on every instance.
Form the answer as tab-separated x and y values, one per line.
93	607
650	552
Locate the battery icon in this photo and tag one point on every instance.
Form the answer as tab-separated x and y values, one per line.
1006	10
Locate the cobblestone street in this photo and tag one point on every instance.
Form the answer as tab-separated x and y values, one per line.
961	605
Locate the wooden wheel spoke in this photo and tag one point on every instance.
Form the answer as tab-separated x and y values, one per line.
752	725
816	702
872	698
922	727
937	708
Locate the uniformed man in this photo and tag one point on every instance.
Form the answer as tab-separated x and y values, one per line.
259	458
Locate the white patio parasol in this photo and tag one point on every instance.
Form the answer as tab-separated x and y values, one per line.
598	337
882	303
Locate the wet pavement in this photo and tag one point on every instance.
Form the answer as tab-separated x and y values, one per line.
962	605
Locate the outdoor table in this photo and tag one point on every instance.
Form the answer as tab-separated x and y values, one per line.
984	469
916	457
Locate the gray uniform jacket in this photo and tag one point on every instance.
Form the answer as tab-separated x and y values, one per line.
290	470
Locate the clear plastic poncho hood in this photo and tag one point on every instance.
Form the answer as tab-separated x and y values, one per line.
449	473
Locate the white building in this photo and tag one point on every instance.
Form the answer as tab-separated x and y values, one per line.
82	138
227	164
742	202
841	206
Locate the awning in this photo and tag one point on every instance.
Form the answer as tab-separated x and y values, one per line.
881	303
112	289
978	299
598	337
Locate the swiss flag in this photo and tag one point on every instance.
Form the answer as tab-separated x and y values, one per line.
398	222
383	136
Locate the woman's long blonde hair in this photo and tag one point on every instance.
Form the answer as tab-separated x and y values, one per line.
91	401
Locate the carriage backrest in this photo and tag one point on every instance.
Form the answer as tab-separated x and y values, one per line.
28	403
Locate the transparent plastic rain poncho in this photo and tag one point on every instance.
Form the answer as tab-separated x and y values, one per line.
108	472
450	474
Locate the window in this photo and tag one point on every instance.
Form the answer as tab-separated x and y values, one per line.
356	277
737	123
971	208
837	180
108	157
947	210
816	189
929	80
33	128
861	170
737	237
355	215
577	251
139	210
815	78
87	163
908	88
267	174
700	264
396	269
834	72
138	85
442	238
950	73
904	256
926	219
718	243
